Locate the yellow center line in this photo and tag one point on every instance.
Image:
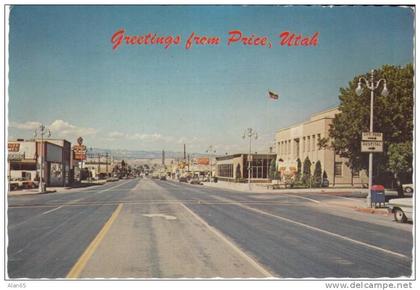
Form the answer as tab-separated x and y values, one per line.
87	254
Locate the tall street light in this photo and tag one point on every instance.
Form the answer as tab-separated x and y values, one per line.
249	133
41	131
210	151
372	86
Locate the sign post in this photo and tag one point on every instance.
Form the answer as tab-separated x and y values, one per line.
372	142
79	154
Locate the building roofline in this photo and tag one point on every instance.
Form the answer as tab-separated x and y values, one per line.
226	157
308	121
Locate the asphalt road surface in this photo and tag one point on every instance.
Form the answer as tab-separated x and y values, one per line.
144	228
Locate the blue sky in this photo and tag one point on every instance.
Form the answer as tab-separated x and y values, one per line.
64	73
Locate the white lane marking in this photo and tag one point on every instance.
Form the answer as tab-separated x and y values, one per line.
95	193
254	263
166	217
317	229
66	204
302	197
51	210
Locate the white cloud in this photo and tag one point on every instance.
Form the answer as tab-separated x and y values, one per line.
146	137
115	135
58	128
25	126
63	128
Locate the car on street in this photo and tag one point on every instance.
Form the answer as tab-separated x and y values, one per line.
408	189
402	208
182	179
196	181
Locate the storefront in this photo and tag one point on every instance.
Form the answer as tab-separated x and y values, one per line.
24	159
235	167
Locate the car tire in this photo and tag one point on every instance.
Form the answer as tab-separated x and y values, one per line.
408	190
399	216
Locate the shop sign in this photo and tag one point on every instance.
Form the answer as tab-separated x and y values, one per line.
16	156
79	150
13	147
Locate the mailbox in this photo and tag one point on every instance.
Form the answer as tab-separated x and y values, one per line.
377	195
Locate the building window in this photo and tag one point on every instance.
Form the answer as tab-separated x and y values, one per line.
318	138
338	168
225	170
309	143
22	166
355	173
313	142
303	144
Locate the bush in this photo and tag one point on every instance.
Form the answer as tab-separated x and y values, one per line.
306	176
317	180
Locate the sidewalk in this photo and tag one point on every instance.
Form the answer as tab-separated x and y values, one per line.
262	188
352	198
76	186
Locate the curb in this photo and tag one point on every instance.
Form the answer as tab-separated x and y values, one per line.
30	193
381	211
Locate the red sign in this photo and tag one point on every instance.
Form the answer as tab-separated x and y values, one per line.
203	161
79	152
13	147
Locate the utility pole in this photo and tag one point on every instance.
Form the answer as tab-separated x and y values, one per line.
99	166
210	151
106	164
42	130
372	86
249	133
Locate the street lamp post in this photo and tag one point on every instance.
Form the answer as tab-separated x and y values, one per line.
42	130
372	86
249	133
210	151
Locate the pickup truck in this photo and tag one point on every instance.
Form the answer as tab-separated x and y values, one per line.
22	184
402	208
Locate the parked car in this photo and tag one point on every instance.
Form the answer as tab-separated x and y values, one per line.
402	208
163	177
196	181
182	179
408	188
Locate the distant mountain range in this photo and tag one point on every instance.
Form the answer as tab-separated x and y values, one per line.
141	154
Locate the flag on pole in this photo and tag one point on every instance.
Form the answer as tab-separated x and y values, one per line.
273	96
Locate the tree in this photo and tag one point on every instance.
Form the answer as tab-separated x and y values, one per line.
400	158
273	173
238	174
306	176
393	116
299	169
317	174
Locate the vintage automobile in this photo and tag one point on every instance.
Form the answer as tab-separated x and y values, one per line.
408	189
402	208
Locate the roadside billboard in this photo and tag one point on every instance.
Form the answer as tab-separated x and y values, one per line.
203	161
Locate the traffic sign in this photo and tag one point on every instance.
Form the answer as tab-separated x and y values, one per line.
372	136
372	146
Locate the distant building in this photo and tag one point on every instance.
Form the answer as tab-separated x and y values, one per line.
235	167
100	165
24	158
301	140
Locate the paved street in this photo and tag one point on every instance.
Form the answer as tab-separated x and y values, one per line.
147	228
